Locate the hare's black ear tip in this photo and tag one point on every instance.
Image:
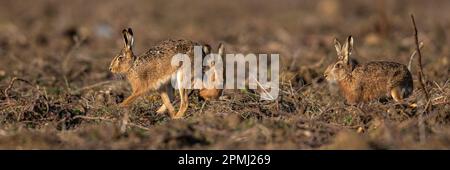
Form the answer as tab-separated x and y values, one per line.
350	39
206	48
130	31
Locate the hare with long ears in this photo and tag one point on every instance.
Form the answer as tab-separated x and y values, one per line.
212	93
365	82
153	71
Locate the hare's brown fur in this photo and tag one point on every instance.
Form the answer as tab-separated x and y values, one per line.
153	71
359	83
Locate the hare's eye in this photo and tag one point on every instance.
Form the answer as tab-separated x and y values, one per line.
338	65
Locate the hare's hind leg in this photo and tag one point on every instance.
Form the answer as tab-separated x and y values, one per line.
169	91
184	102
165	97
396	94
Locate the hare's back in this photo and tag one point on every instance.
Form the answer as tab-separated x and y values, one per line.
165	50
156	65
170	47
380	68
381	72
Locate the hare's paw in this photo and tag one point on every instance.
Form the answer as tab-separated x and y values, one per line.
177	117
162	110
124	105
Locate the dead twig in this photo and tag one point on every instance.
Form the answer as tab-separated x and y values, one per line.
265	91
93	86
11	83
108	120
317	64
420	71
67	58
92	118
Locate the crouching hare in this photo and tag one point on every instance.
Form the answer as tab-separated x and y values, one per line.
215	77
365	82
153	71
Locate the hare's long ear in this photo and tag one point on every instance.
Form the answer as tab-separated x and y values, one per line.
338	47
128	37
206	49
350	45
221	49
347	49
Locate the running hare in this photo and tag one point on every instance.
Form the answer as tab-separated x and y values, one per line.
153	71
364	82
214	75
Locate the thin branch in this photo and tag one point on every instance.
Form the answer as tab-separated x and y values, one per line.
93	86
420	72
67	58
108	120
11	83
317	64
265	91
92	118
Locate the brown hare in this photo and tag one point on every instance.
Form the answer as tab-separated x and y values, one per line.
153	71
364	82
212	93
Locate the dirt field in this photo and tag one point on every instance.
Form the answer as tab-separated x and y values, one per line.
64	97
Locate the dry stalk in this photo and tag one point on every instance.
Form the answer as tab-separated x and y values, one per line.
420	71
11	83
108	120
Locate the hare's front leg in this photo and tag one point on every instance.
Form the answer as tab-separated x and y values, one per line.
130	99
125	104
353	94
184	102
